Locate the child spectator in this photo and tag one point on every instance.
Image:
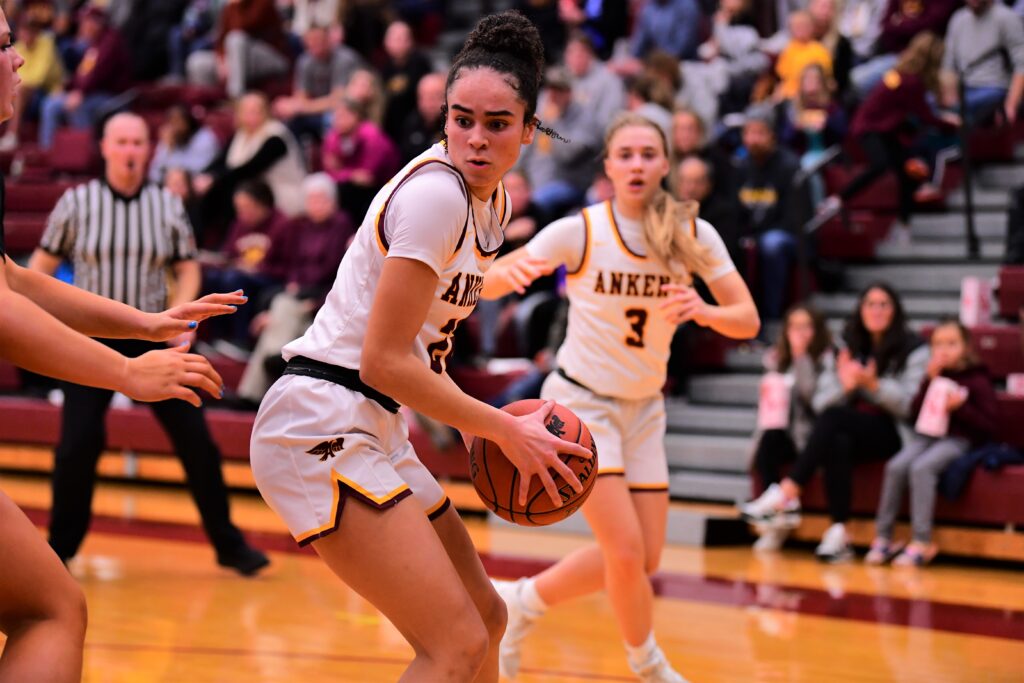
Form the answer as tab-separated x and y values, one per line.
799	356
972	416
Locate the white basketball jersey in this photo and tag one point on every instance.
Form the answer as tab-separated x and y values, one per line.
617	342
474	232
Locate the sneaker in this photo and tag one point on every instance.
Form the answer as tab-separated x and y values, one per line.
916	555
835	545
772	507
520	621
246	560
657	670
8	142
882	551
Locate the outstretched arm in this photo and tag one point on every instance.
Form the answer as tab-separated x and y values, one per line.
513	273
735	315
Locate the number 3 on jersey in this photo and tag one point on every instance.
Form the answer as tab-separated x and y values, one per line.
637	318
439	351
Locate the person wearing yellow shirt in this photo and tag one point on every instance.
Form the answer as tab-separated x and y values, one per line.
41	75
801	52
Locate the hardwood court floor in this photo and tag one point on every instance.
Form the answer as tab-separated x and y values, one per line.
161	611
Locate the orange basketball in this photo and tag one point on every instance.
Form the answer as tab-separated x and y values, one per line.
497	480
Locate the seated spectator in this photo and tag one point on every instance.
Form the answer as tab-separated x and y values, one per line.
695	182
860	400
358	156
672	26
182	143
689	138
250	46
882	125
799	355
772	207
321	74
178	182
812	122
594	86
261	148
902	22
825	22
364	87
861	23
558	171
731	61
972	414
195	32
424	126
313	246
985	44
99	78
403	67
42	73
250	259
801	51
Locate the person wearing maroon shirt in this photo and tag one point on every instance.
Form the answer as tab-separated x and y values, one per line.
881	127
100	76
250	45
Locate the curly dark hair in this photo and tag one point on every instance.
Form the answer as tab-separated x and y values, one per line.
897	341
510	44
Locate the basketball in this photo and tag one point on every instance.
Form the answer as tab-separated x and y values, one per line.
497	480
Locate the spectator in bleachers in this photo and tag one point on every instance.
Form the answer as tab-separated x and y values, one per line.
560	172
262	148
731	60
195	32
249	46
799	355
594	86
321	74
250	260
178	182
812	122
424	126
42	74
824	17
358	156
882	125
860	400
773	208
802	51
861	23
972	423
99	78
695	182
689	138
314	244
364	87
902	22
604	21
672	26
986	42
402	68
182	143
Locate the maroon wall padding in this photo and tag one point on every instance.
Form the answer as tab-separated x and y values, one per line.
33	197
22	231
1011	291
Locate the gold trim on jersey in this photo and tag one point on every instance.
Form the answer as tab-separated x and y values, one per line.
618	235
378	221
648	487
612	471
439	506
332	523
587	239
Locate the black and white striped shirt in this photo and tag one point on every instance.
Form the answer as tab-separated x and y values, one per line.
121	247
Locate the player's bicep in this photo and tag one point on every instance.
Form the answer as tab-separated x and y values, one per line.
405	291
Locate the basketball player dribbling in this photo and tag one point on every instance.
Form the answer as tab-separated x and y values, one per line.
330	453
629	263
43	328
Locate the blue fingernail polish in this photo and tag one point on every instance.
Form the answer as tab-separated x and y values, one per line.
193	325
246	298
234	308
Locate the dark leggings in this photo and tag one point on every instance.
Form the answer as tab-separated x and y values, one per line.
841	437
775	448
885	152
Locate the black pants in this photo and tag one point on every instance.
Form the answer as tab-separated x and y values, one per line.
884	152
842	436
775	448
83	438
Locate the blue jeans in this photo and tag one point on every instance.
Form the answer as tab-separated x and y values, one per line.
52	113
777	250
979	103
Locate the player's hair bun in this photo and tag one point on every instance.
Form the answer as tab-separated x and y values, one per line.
510	33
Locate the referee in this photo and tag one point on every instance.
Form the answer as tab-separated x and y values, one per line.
123	235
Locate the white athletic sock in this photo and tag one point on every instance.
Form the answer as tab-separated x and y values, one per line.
531	598
643	652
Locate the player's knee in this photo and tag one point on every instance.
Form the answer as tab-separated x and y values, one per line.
626	558
468	644
495	617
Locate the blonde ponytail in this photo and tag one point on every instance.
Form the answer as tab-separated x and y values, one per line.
668	227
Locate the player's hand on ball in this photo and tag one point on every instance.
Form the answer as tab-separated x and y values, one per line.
186	317
683	305
533	449
168	373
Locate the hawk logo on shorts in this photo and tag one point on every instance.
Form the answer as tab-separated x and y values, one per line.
327	449
556	426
